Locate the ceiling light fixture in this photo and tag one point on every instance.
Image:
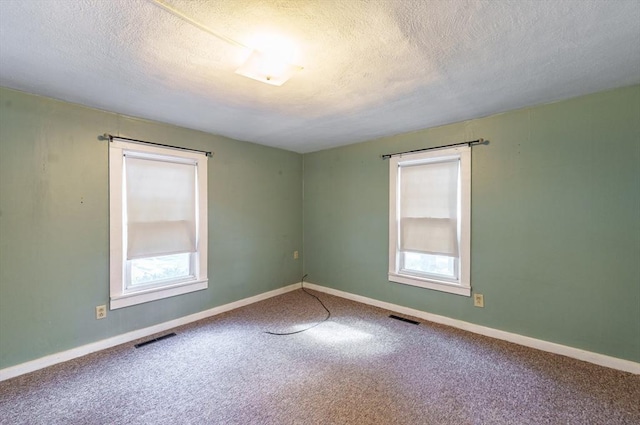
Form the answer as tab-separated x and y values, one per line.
270	63
267	68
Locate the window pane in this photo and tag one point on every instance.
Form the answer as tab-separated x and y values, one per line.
169	267
427	264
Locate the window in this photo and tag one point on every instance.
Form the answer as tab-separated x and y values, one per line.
158	222
430	219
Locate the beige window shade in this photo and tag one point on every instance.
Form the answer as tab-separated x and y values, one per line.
160	207
429	208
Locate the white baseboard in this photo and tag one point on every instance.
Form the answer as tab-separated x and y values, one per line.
576	353
551	347
21	369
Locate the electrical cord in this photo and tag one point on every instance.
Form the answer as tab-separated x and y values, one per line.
310	327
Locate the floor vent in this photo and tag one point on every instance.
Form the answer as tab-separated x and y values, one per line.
413	322
160	338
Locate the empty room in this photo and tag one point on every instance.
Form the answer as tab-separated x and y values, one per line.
319	212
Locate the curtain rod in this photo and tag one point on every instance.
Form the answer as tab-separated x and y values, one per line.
469	143
110	137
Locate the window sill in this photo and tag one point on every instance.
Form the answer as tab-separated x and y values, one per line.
139	297
451	288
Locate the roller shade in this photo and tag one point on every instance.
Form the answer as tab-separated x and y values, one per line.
429	208
160	206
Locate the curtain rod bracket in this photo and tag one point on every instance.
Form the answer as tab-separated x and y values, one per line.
469	143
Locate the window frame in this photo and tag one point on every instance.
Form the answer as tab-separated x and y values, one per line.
120	296
461	286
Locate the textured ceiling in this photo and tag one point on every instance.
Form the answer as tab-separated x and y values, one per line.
371	68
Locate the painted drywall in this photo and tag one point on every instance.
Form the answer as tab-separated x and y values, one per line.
54	225
555	222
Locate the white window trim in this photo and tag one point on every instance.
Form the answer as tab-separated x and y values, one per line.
118	297
463	286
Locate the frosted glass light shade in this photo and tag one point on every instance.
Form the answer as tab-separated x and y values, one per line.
267	69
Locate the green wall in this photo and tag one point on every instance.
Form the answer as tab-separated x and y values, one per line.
54	227
555	222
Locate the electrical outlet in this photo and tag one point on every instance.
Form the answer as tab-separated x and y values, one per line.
295	255
101	312
478	300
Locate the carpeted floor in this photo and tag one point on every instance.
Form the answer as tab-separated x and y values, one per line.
359	367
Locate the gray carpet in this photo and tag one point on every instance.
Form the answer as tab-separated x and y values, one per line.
359	367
